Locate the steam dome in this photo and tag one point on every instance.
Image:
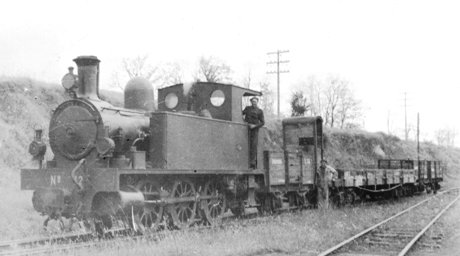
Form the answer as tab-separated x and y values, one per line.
139	94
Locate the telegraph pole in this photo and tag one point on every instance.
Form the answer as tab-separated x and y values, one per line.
405	116
278	71
418	145
418	136
406	131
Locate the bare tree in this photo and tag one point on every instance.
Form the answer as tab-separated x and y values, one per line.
349	106
411	131
313	89
332	98
172	73
212	69
440	136
132	67
446	136
139	66
116	80
390	122
334	90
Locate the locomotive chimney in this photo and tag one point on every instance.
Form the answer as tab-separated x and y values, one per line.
88	77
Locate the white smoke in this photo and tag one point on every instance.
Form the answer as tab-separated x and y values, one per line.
187	86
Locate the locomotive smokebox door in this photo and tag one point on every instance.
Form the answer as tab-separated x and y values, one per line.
302	149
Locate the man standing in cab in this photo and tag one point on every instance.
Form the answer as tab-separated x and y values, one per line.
254	116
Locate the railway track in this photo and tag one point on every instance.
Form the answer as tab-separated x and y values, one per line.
65	243
22	246
74	241
398	234
42	240
32	245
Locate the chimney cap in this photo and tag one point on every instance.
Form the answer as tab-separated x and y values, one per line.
86	60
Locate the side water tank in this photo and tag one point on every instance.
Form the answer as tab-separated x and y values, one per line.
139	94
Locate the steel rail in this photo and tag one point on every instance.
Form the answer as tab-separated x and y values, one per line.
82	237
49	249
415	239
330	250
61	247
5	245
38	240
156	235
42	250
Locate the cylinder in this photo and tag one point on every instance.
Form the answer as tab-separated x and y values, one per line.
88	77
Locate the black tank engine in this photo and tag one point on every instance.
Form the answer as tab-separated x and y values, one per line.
187	161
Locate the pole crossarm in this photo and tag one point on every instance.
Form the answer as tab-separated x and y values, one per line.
276	72
278	52
276	62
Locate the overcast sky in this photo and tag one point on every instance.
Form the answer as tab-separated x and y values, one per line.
384	48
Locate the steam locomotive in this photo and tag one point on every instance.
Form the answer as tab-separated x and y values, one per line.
186	162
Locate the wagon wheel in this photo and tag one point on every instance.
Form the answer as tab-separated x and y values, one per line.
183	213
404	191
292	201
263	204
267	204
214	209
312	199
238	210
301	199
151	215
411	191
428	189
397	193
335	197
349	197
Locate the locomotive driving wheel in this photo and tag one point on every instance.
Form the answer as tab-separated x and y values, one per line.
214	208
183	212
349	197
151	215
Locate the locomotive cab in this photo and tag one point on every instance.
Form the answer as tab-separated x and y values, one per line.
201	126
